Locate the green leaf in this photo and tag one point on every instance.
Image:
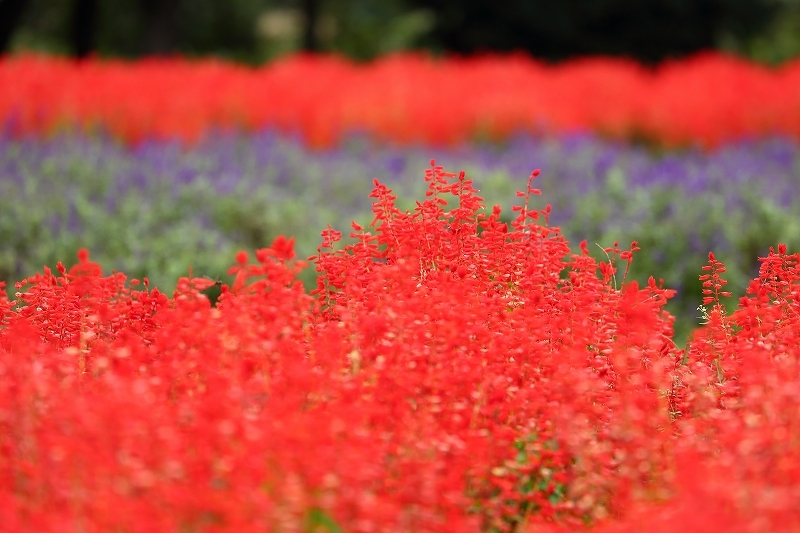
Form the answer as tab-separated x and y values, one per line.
318	521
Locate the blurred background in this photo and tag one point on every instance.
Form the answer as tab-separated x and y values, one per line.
255	31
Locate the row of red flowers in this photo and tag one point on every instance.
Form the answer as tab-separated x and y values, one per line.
706	99
450	373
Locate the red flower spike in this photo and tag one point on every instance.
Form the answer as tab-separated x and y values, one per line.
85	268
283	248
263	255
201	284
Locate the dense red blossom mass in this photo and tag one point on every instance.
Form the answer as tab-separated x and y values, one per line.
706	99
449	374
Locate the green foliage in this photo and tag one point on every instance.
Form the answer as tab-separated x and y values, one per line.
250	31
318	521
74	199
778	43
368	29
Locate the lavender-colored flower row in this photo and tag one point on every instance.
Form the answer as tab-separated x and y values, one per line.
571	166
154	208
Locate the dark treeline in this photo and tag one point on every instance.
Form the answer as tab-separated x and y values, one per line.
257	30
649	30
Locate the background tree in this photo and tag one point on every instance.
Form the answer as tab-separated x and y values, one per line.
255	31
649	31
10	13
84	20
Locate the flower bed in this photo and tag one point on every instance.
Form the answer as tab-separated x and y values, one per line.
451	372
153	209
707	99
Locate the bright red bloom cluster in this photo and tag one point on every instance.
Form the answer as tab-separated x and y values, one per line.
450	373
706	99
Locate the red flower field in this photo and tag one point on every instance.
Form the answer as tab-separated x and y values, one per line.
450	373
707	99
